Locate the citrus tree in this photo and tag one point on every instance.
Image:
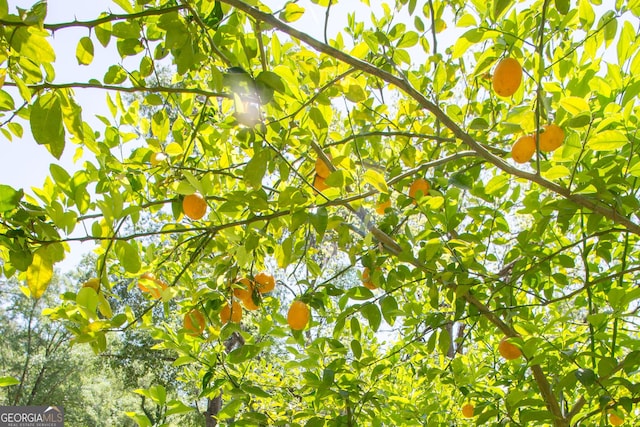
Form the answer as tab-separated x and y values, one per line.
427	217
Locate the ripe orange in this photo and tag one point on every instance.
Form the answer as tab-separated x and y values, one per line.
231	312
366	279
615	420
507	77
194	206
322	169
551	138
152	285
244	290
381	207
298	315
508	350
523	149
319	184
467	410
194	322
245	294
420	187
266	282
157	158
93	283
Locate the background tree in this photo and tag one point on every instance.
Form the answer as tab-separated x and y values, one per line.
488	274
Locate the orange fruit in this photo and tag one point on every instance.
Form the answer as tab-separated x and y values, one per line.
467	410
152	285
381	207
194	322
244	291
194	206
298	315
507	77
231	312
250	304
319	184
551	138
157	158
523	149
266	282
615	420
508	350
419	187
366	279
322	169
93	283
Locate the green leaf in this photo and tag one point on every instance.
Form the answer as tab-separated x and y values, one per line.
32	45
4	9
84	51
87	298
575	105
8	381
47	125
256	168
292	12
177	407
272	80
103	33
39	273
408	39
586	14
389	307
104	307
115	75
9	198
376	179
128	256
626	42
499	7
444	341
607	140
6	101
373	316
586	376
125	5
355	93
497	185
563	6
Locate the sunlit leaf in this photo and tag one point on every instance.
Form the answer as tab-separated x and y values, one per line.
607	140
39	273
292	12
84	51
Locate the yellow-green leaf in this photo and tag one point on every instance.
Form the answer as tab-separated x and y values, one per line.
557	171
174	149
8	381
39	273
292	12
574	105
607	140
84	51
376	179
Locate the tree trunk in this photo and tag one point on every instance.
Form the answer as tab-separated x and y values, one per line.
215	405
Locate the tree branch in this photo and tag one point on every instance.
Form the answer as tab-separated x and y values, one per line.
94	23
134	89
607	211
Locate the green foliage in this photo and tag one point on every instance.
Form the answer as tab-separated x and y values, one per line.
544	252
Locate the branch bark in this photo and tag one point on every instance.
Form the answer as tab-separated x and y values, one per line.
95	22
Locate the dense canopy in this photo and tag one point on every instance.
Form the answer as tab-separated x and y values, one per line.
318	205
